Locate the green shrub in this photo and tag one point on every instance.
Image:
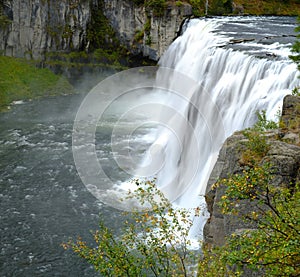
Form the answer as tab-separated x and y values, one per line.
153	243
273	246
178	3
157	6
139	36
296	91
256	144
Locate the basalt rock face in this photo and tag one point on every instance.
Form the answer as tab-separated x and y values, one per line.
284	155
37	26
290	131
141	30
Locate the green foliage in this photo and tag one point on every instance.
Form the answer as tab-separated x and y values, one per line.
256	144
178	3
263	124
4	20
248	185
154	242
220	7
296	91
257	147
198	7
273	245
214	7
148	41
147	27
99	32
106	58
213	263
139	36
157	6
21	80
269	7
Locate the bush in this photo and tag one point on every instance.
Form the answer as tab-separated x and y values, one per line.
273	245
157	6
153	243
257	145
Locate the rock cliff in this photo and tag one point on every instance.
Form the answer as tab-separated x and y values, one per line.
284	155
39	26
141	30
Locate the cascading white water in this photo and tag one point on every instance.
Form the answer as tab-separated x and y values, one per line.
232	87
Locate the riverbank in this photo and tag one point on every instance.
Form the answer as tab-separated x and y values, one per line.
22	80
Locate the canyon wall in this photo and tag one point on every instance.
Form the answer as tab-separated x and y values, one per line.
38	26
35	27
140	30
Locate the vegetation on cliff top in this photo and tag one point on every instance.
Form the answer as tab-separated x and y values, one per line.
224	7
21	80
268	7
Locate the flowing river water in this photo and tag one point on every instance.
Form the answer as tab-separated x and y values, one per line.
43	201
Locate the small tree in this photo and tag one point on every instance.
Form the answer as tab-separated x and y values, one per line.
274	244
154	242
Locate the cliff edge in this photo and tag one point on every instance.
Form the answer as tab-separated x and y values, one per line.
283	154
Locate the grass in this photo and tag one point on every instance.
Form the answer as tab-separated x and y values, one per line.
270	7
21	80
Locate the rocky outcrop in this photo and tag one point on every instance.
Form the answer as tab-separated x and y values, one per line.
290	125
37	26
285	160
141	30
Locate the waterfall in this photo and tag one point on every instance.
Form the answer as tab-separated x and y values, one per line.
204	89
231	87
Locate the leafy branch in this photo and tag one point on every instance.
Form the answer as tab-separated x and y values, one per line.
154	242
